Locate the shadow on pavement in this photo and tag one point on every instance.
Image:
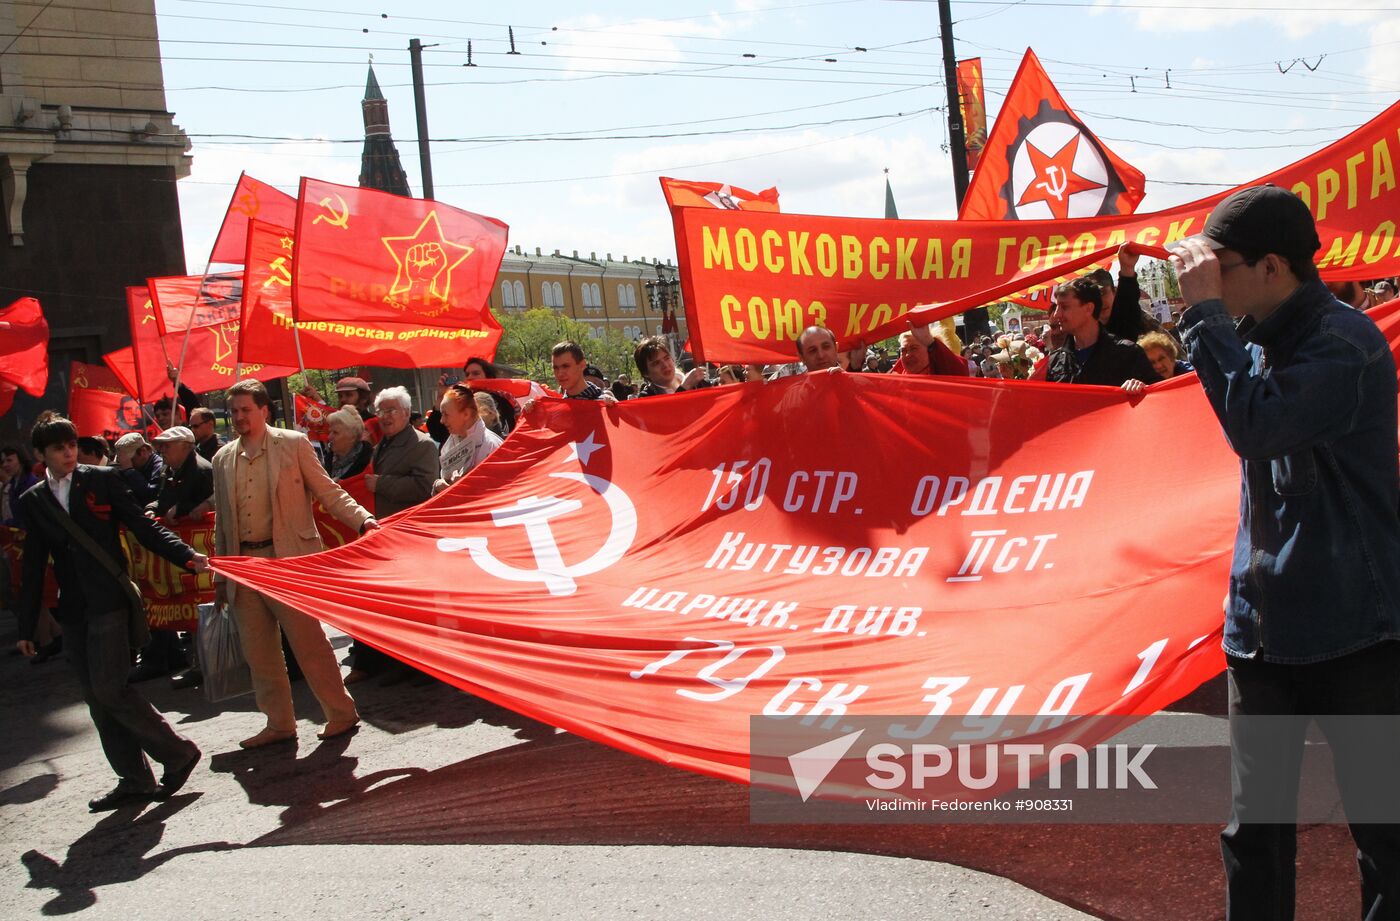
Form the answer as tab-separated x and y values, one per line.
112	851
563	790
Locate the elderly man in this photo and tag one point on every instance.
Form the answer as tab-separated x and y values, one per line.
140	466
264	484
405	460
186	483
1306	398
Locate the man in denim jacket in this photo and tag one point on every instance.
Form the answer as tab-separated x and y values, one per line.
1312	620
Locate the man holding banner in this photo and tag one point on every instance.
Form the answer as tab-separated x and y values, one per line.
1312	619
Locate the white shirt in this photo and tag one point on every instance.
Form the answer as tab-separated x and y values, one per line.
59	488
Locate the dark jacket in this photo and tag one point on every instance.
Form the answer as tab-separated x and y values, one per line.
209	447
1112	362
16	487
407	466
144	482
361	458
98	503
184	488
1309	405
648	389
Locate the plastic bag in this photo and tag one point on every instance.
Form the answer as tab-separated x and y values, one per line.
221	658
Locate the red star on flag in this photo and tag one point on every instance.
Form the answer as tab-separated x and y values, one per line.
1055	179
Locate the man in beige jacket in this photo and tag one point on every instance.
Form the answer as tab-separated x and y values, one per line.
264	484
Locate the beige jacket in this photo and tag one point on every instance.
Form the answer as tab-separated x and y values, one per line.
297	479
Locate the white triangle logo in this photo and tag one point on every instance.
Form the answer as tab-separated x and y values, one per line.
810	767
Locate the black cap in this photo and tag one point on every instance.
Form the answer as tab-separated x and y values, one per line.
1263	219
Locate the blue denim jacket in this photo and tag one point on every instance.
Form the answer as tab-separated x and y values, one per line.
1309	405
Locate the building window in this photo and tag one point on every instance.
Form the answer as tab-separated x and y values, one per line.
627	296
597	296
587	296
558	294
548	293
519	293
507	294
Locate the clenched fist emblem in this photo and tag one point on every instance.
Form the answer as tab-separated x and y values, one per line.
425	260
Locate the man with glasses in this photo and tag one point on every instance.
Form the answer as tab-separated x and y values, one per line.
1312	620
206	441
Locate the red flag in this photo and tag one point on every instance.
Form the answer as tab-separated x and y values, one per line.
99	404
517	388
703	558
210	355
311	418
24	349
972	102
365	256
189	301
266	334
251	200
683	193
1042	163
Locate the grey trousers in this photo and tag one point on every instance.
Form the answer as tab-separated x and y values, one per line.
129	727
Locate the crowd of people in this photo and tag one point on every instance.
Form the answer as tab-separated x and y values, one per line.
262	485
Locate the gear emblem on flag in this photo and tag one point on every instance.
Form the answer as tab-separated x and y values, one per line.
1058	170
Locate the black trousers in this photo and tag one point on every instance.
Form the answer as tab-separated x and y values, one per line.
1266	758
129	727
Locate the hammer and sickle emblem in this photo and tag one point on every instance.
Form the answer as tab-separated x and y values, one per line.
281	275
248	204
339	218
1059	182
80	379
533	513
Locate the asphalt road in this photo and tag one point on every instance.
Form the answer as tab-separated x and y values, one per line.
446	806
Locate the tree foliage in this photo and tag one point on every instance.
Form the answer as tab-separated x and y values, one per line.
528	338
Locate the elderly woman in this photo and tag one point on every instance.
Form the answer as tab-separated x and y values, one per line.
1163	351
348	453
468	442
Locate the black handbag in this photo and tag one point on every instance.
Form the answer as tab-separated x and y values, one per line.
137	629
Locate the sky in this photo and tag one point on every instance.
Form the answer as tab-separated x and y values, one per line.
564	139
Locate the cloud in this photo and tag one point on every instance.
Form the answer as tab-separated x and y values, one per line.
1297	18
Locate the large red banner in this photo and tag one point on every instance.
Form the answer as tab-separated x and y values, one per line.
173	594
369	257
270	335
650	575
752	281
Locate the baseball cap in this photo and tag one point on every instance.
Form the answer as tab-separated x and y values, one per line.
351	383
1262	219
174	433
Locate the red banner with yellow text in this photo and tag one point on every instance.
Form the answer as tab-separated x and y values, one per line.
753	281
172	593
270	335
369	257
650	575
